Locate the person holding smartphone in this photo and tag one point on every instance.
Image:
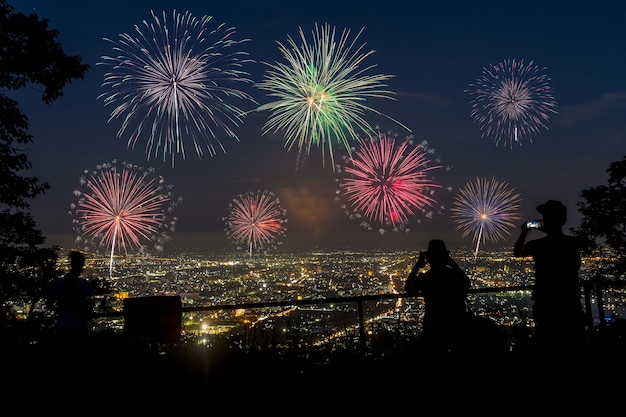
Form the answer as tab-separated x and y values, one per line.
557	308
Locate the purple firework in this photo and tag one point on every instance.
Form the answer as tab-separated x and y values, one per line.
174	81
485	209
512	101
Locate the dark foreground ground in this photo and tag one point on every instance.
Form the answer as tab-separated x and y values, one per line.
115	373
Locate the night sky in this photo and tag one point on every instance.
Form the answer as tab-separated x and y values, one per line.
434	50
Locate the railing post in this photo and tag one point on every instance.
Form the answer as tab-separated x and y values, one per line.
588	287
361	325
599	299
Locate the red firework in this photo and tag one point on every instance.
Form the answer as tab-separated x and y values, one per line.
121	208
256	220
386	183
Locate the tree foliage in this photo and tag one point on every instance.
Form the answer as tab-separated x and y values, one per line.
30	55
603	223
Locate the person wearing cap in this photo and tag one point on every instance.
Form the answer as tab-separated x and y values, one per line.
557	308
444	286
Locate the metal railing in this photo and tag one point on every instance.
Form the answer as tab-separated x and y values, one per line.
592	292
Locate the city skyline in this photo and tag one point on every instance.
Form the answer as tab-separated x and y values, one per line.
434	55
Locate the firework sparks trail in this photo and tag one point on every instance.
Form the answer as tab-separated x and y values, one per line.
256	220
168	84
386	184
120	208
512	101
321	91
486	209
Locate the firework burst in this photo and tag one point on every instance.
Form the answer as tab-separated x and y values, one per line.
123	208
173	84
512	102
321	91
485	209
256	221
386	183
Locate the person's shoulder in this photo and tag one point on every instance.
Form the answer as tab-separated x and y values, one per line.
535	243
575	241
574	238
562	239
459	274
86	282
57	282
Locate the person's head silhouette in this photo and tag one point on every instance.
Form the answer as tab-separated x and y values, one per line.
554	215
437	252
77	262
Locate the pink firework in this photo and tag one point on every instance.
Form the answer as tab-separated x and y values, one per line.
121	208
386	184
256	220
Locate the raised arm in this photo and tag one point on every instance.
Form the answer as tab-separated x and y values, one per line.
411	285
518	249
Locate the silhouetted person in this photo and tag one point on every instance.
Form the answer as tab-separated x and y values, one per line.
444	286
557	307
72	298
